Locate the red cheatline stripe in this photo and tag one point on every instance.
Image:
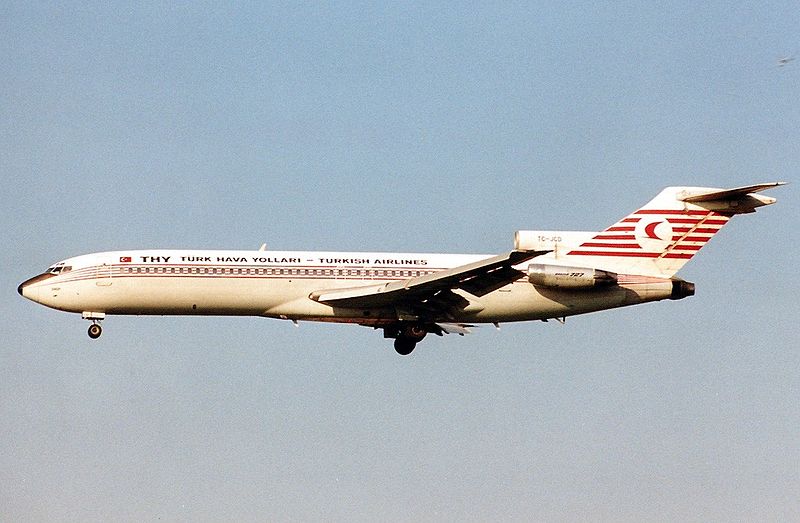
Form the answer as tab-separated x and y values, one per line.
615	237
682	247
115	272
613	245
620	229
688	221
675	255
701	239
673	212
630	220
609	253
692	221
685	220
234	276
699	230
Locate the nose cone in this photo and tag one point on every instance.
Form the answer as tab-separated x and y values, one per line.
29	288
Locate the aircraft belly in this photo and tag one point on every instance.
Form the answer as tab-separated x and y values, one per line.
523	301
517	302
175	295
298	305
274	297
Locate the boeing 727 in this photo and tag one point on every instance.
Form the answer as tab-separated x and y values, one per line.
548	275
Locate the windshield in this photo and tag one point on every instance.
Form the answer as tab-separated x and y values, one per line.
58	268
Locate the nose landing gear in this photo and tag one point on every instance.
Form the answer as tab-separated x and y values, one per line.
95	330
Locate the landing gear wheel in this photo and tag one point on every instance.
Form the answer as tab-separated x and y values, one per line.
95	331
415	332
404	346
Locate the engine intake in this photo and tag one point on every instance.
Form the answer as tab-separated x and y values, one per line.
569	277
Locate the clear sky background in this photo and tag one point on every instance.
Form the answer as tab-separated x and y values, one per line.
411	127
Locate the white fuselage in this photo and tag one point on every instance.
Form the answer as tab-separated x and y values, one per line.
277	284
548	274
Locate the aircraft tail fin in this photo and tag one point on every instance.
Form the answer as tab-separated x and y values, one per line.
659	238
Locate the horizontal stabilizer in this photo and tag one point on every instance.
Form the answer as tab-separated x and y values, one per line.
737	201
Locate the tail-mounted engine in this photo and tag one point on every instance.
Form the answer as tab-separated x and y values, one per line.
569	277
681	289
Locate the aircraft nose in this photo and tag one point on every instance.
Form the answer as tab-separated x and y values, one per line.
23	286
27	289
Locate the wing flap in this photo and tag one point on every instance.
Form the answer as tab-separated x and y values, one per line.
455	328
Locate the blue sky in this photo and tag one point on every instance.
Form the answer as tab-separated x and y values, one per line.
412	127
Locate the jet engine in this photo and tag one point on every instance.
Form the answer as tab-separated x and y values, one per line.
569	277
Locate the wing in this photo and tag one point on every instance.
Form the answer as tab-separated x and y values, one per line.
433	294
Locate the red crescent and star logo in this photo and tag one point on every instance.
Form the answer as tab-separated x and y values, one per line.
650	230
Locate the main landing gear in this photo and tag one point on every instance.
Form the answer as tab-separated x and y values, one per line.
406	336
95	330
404	346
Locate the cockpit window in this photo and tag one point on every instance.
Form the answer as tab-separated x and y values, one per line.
58	268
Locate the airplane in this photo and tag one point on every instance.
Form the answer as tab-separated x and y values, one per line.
547	275
785	60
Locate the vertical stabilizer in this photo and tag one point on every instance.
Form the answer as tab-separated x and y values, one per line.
658	239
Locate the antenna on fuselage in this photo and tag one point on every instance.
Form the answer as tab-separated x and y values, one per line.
263	247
